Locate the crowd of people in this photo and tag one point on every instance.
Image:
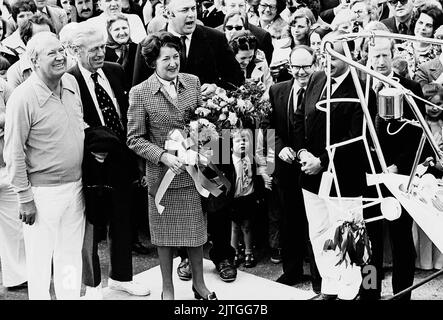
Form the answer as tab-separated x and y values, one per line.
91	91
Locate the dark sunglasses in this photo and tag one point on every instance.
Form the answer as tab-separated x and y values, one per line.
237	28
394	2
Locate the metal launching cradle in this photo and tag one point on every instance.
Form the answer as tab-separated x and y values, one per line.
367	122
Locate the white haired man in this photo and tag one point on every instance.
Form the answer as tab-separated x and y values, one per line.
44	133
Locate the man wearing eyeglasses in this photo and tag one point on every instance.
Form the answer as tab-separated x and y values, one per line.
346	122
286	97
402	20
264	40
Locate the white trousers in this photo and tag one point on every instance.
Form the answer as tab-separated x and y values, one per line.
12	246
56	237
323	219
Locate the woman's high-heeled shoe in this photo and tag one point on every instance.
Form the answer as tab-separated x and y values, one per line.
198	296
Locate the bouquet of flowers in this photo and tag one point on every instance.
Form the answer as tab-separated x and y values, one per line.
235	109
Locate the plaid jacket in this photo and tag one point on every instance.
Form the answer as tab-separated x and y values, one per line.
153	114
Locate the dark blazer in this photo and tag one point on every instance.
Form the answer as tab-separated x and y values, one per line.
213	19
346	123
115	74
392	26
128	67
210	59
400	149
264	40
282	121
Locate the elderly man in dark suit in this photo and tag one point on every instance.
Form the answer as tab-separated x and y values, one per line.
402	21
286	97
105	103
346	119
264	40
57	15
205	54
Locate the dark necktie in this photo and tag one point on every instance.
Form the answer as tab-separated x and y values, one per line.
300	96
323	96
110	115
402	28
205	13
183	53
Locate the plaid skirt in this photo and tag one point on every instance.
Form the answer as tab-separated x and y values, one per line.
182	223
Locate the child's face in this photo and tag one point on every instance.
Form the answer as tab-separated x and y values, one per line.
432	111
240	143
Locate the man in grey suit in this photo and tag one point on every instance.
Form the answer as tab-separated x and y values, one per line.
57	16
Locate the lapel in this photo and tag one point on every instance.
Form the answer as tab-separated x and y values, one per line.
88	103
157	86
197	50
311	101
287	103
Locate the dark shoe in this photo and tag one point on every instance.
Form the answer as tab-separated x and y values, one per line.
276	256
238	259
324	296
184	270
21	286
226	271
139	248
316	286
292	280
250	260
198	296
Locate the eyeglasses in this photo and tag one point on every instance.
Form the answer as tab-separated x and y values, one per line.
268	6
237	28
296	68
394	2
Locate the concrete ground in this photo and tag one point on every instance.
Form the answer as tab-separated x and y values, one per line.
431	291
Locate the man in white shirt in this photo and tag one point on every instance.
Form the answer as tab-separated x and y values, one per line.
111	7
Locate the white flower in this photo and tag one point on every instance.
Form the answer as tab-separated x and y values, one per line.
222	117
193	125
248	105
241	104
204	122
202	111
232	118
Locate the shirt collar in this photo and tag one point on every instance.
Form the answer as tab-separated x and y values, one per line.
156	84
296	86
45	11
211	8
24	63
169	29
166	82
340	79
87	74
42	91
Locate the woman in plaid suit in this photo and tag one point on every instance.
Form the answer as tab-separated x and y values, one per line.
160	104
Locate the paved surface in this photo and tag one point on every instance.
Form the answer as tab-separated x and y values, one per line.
265	269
